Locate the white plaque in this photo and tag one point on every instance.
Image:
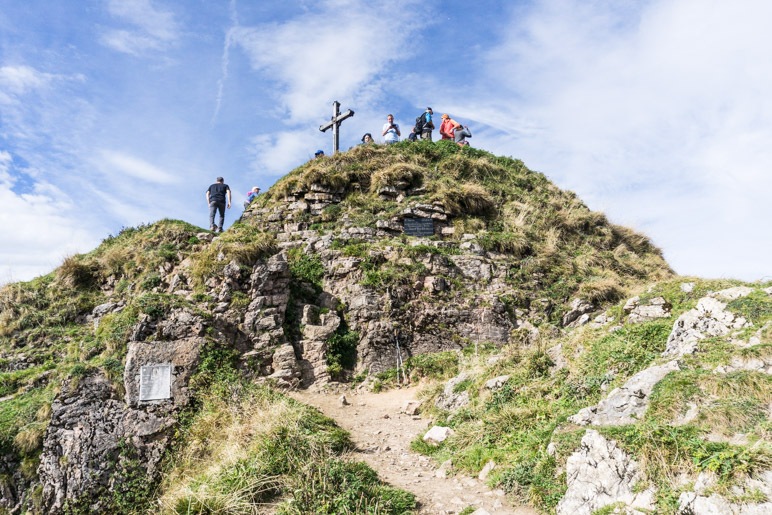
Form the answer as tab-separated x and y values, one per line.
155	382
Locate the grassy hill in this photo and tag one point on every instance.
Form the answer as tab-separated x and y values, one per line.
508	245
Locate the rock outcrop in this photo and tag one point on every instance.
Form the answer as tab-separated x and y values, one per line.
600	474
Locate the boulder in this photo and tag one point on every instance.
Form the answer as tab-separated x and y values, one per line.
708	318
599	474
579	307
437	434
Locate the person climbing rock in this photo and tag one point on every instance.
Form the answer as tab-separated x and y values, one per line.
216	197
254	192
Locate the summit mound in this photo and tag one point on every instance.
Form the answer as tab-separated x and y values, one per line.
317	283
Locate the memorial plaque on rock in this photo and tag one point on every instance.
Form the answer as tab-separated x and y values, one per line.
421	227
155	382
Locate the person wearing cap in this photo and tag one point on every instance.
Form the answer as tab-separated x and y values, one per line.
367	139
254	192
319	153
424	124
216	198
390	132
448	127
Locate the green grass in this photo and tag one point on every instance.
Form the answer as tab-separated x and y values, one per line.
248	445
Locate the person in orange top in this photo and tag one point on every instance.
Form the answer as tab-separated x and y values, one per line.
448	126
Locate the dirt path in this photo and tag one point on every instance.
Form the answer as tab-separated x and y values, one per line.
383	434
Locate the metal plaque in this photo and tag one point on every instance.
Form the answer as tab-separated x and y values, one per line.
155	382
421	227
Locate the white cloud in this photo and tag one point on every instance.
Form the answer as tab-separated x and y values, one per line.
152	28
324	56
275	154
38	229
18	80
624	102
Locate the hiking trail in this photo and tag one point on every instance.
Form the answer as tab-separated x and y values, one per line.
382	434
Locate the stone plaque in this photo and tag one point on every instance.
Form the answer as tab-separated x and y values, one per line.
155	382
421	227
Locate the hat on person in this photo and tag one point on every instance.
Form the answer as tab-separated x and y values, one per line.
366	135
319	152
220	179
429	109
445	116
256	188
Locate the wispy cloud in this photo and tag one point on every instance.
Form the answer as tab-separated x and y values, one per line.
21	79
658	97
117	163
320	56
150	28
225	57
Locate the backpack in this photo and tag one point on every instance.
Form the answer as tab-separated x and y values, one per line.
419	123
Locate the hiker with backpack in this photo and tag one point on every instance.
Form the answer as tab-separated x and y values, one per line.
448	127
424	125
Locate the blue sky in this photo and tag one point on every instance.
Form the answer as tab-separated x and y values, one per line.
120	112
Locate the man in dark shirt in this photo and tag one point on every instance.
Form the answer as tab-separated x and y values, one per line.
216	198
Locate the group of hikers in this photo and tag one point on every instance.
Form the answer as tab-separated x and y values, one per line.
450	129
218	195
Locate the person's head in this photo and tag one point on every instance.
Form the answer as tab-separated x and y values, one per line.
445	116
429	110
220	180
367	138
255	189
390	118
319	153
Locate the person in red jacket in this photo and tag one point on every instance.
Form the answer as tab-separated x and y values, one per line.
448	127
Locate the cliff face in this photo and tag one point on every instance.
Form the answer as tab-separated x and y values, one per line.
320	281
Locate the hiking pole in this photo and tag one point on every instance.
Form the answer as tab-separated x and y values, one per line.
399	357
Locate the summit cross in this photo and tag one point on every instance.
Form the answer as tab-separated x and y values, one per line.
334	123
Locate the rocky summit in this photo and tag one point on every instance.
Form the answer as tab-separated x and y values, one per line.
558	351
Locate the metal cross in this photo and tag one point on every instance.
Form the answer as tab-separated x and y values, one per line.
335	122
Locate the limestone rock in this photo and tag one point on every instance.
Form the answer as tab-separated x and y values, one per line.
600	474
451	400
579	307
709	318
411	408
628	403
92	438
733	293
437	434
182	354
496	382
486	470
657	307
